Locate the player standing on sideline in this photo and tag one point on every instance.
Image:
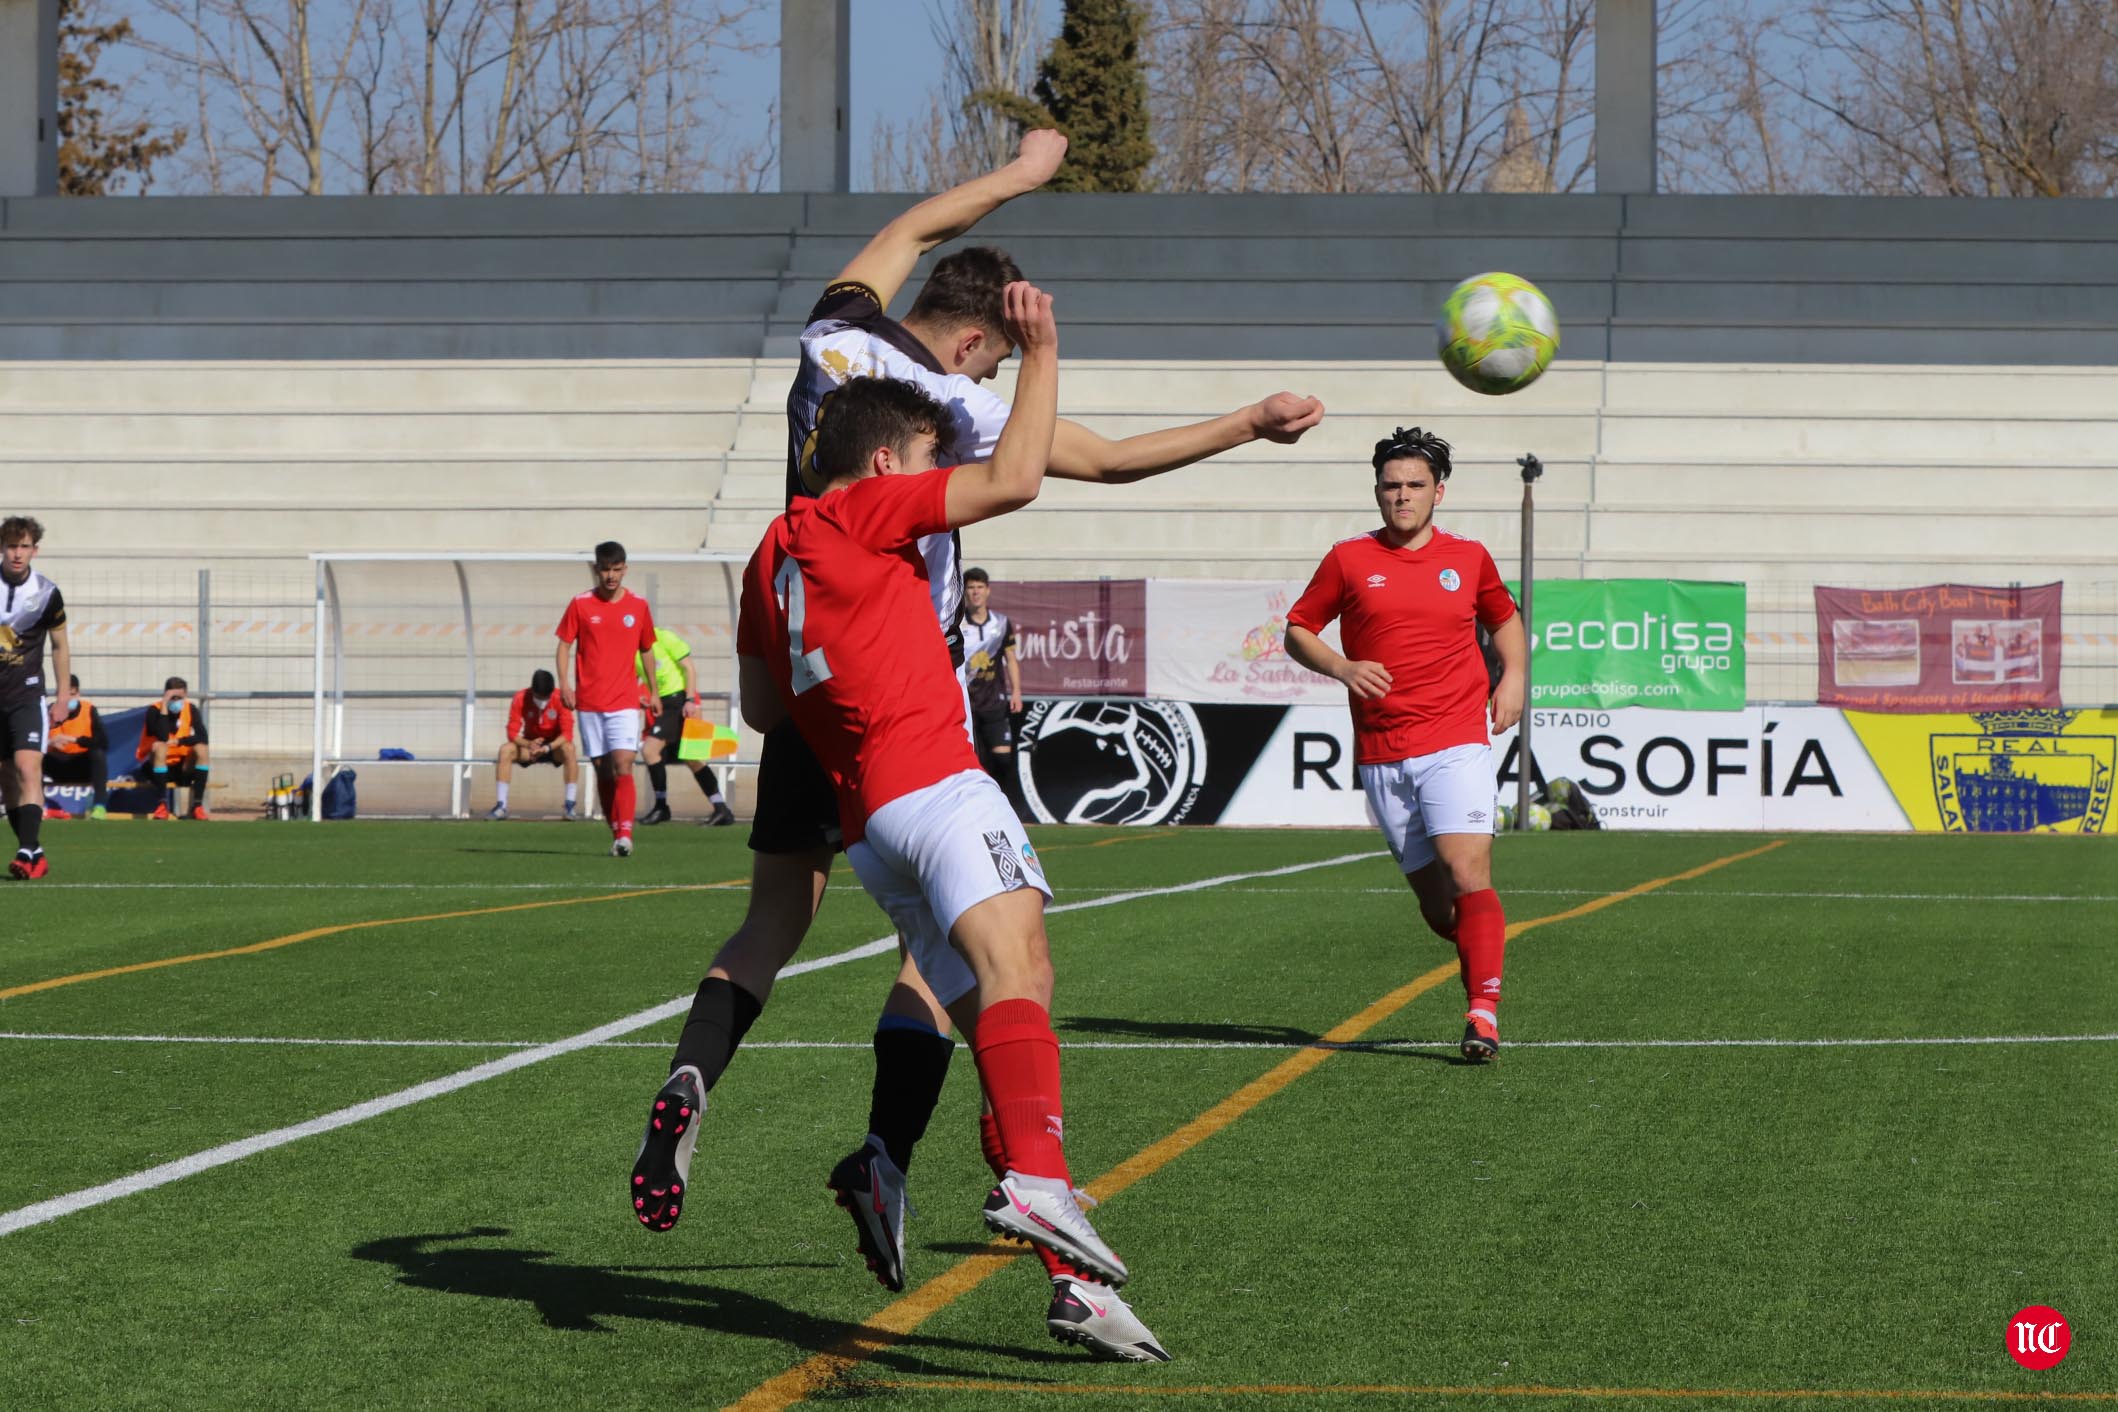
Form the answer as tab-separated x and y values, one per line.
1410	598
540	731
31	613
607	629
677	689
992	673
834	635
950	342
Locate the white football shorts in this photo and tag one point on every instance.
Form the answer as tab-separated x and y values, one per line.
1449	791
602	732
932	855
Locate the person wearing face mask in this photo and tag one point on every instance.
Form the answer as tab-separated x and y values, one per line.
174	745
540	731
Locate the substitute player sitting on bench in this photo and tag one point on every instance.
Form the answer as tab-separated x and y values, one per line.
174	743
77	751
540	731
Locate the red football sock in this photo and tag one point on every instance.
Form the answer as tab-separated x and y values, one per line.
621	805
1481	937
996	1158
1018	1062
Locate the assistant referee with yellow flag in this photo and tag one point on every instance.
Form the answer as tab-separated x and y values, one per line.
677	683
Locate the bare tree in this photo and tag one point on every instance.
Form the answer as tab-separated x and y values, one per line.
459	95
1726	101
1964	97
1375	95
986	48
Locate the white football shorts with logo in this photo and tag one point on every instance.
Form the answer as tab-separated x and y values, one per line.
602	732
1449	791
932	855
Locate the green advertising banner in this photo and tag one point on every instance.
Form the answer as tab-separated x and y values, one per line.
1669	643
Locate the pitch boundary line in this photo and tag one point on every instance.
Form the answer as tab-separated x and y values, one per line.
1528	1390
41	1212
899	1318
1356	1046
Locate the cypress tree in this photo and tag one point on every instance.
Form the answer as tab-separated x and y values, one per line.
1091	86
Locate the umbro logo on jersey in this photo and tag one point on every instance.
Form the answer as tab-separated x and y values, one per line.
1449	580
1376	580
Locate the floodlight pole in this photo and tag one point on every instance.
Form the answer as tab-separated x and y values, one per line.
1525	763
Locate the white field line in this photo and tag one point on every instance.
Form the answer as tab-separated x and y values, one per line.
38	1213
1117	893
1885	1042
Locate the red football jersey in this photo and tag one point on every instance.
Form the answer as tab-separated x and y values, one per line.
1411	610
526	722
835	602
610	637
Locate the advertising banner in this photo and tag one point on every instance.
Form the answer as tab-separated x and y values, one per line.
2031	770
1667	643
1943	648
1224	641
1164	762
1078	637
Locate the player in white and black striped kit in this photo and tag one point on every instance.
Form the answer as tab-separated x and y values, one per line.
992	676
950	342
32	613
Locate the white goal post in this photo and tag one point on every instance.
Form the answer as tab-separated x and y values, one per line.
419	654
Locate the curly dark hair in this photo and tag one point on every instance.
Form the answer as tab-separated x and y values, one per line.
1407	442
19	527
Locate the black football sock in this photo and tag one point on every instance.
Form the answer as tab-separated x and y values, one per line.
911	1063
27	820
658	776
161	785
99	776
721	1014
198	787
708	785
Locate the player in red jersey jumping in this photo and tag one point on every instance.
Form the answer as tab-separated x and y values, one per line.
610	631
1407	596
837	631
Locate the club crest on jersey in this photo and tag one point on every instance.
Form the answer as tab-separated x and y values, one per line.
629	621
1005	862
1450	580
1376	580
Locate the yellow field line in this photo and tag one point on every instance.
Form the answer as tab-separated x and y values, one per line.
313	933
899	1318
1408	1390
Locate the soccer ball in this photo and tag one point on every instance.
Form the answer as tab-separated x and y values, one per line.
1497	333
1540	819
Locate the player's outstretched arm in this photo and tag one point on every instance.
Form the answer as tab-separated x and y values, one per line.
563	662
1513	645
762	707
886	261
1013	477
1370	681
1080	454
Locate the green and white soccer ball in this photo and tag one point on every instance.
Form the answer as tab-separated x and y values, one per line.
1503	818
1540	819
1497	333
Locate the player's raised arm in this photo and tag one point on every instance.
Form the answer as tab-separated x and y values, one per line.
1015	474
885	262
1080	454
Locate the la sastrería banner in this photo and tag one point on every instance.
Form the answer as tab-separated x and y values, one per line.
1672	644
1944	648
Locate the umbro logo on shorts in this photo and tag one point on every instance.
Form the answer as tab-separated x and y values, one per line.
1005	861
1476	816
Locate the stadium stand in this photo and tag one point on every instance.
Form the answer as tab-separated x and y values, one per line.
1779	390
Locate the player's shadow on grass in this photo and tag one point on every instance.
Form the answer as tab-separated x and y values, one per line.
581	1297
1286	1036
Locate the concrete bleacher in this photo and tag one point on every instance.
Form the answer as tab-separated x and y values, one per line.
1782	390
